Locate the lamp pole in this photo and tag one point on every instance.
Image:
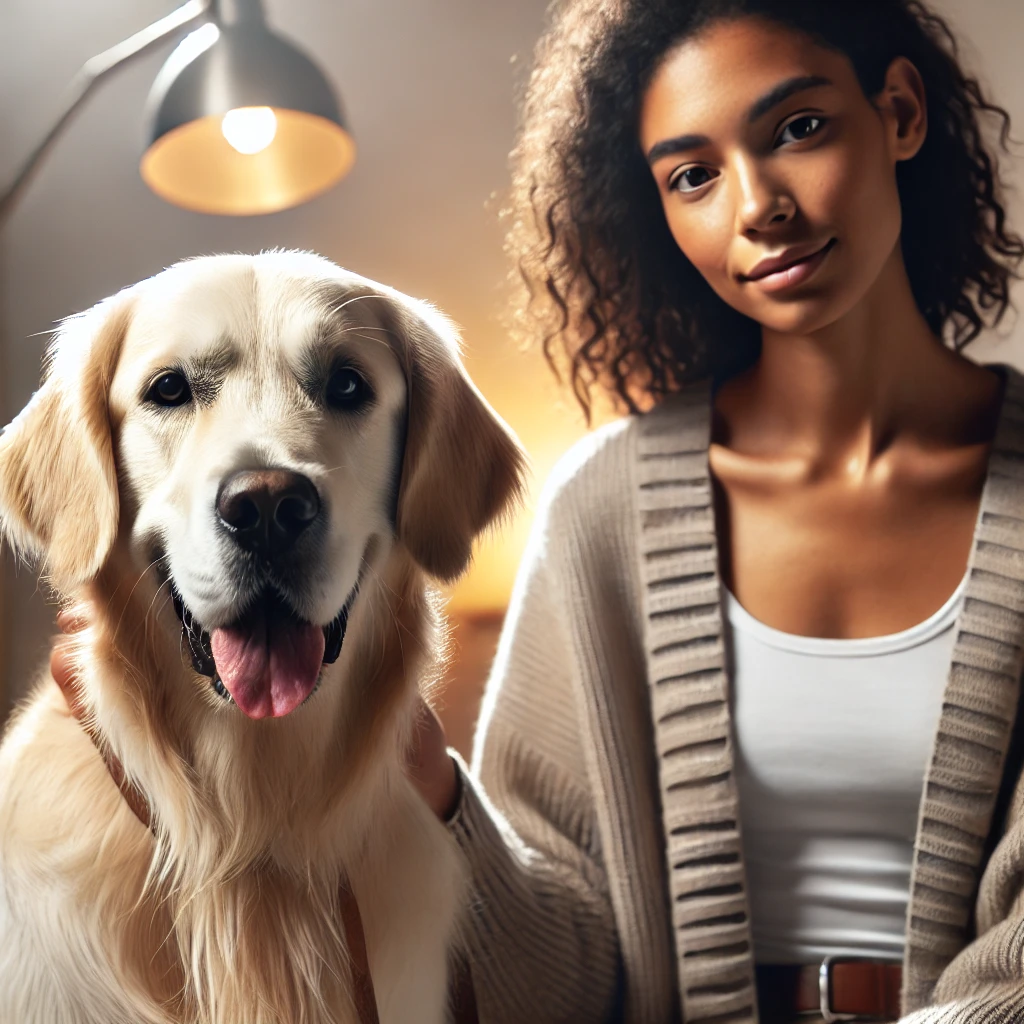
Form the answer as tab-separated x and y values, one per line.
94	71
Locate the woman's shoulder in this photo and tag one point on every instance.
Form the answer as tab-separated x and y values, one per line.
603	468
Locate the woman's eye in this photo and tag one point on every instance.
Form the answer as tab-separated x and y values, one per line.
801	128
169	389
347	390
691	179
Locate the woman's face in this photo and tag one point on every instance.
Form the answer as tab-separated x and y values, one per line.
776	174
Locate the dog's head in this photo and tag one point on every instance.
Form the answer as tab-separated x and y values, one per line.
256	433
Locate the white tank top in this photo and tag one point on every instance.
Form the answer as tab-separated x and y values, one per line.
833	738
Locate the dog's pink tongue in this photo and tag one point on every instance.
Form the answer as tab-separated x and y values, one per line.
269	666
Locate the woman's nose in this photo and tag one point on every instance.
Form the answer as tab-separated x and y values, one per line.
761	201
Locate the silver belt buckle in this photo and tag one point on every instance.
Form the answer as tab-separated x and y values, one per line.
828	1015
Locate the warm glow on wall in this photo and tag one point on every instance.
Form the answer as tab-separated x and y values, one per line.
548	423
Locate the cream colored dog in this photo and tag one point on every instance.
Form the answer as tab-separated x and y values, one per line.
246	468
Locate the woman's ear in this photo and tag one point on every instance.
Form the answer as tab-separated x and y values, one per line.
903	104
462	467
58	479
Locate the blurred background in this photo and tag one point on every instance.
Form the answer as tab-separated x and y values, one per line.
429	90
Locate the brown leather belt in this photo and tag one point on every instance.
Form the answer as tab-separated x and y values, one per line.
836	990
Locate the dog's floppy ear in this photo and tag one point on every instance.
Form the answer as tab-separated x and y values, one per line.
462	467
58	480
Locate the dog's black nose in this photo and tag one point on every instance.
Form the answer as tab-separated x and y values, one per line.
266	510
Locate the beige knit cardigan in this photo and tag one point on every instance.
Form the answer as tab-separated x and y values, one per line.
601	821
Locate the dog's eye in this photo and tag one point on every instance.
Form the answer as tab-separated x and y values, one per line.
169	389
346	389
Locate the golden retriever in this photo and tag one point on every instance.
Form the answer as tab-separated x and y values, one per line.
247	469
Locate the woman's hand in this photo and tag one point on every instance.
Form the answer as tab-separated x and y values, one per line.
60	662
429	767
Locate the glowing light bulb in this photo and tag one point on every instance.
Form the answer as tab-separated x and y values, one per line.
249	129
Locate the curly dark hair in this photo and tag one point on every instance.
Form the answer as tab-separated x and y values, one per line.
614	300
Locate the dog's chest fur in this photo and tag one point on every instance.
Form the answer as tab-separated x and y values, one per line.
262	947
255	944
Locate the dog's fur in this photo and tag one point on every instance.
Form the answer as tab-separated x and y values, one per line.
228	911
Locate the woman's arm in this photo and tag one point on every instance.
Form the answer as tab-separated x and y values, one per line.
541	934
985	983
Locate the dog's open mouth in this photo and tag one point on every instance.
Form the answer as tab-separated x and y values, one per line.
269	660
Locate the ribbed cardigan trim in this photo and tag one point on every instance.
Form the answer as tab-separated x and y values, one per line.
690	705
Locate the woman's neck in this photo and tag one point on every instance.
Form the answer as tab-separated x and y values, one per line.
842	396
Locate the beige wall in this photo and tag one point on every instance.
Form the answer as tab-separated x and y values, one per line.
991	36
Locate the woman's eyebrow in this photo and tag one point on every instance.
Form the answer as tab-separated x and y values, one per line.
774	96
680	144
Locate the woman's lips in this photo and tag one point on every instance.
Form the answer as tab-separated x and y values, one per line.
786	271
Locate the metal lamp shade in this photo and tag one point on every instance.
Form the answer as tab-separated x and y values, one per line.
190	162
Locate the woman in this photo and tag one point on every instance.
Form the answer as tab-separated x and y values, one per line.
796	199
719	746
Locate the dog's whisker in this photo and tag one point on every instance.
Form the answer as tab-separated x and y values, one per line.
355	298
376	341
366	327
384	586
149	619
399	628
142	575
356	328
131	594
